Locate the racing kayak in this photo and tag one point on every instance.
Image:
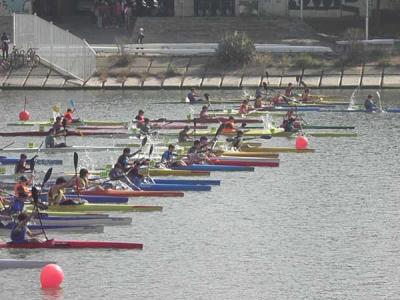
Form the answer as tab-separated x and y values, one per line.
246	154
213	131
215	168
13	160
5	229
245	161
69	133
83	122
174	172
130	193
316	134
275	149
62	149
23	264
92	199
90	207
156	125
60	244
185	181
76	220
174	187
216	120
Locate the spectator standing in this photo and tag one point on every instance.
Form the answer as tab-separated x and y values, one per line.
140	38
4	45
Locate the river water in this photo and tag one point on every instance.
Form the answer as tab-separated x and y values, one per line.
321	226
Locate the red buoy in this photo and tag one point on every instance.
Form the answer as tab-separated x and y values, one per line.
24	115
301	142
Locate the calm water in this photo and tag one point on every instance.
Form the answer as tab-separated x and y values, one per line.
321	226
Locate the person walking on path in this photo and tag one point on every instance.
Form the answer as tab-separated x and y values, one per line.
140	38
4	45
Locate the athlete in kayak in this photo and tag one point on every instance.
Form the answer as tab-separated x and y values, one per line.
306	96
236	142
69	117
193	97
56	195
289	90
183	135
20	231
197	154
229	125
259	102
289	121
123	159
81	182
168	158
139	118
204	112
58	125
145	127
22	194
50	141
369	104
21	167
245	107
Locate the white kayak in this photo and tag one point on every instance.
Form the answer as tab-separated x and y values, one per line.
24	264
62	149
67	230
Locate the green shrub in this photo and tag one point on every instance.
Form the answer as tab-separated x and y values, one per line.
236	48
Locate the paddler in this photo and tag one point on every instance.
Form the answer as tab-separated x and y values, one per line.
145	127
245	107
22	194
258	102
229	125
117	172
21	166
56	195
369	104
123	159
259	91
306	96
50	141
168	158
236	142
204	112
288	123
58	125
139	118
69	117
20	231
196	154
81	182
289	90
193	97
183	135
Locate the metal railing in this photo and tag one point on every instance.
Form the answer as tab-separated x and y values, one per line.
56	47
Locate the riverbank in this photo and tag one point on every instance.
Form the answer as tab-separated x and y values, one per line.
202	72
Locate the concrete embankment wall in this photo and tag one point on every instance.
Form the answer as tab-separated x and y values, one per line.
151	73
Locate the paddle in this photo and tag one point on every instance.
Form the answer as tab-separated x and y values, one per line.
217	134
35	197
72	103
8	145
64	124
76	158
150	153
380	102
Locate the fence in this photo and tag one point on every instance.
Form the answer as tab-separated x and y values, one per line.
56	47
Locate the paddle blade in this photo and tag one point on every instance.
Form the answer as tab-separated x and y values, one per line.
47	176
32	163
64	123
219	130
144	141
72	103
151	150
266	74
76	158
266	137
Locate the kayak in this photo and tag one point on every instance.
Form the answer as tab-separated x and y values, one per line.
93	199
157	125
215	168
23	263
13	160
130	193
77	220
90	207
174	187
60	244
63	149
83	122
185	181
391	110
245	161
309	126
5	229
275	150
213	131
216	120
246	154
69	133
174	172
188	144
316	134
253	113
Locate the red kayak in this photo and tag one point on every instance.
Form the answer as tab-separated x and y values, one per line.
213	120
130	193
69	133
57	244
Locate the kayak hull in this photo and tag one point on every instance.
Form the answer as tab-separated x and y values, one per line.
175	172
216	168
186	181
90	207
174	187
59	244
245	161
13	160
130	193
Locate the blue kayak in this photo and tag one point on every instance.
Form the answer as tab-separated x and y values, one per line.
214	168
174	187
13	160
187	181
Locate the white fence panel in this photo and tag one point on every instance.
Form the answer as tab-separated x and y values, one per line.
57	47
